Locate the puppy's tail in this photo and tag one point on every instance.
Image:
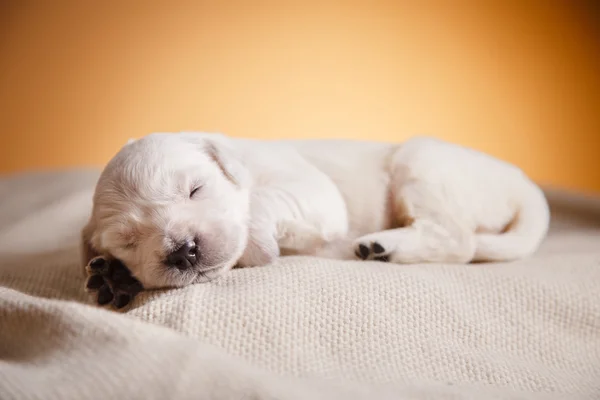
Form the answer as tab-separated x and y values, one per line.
524	235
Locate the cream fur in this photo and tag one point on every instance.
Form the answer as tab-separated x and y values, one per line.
421	201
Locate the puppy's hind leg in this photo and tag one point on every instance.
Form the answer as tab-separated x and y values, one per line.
434	232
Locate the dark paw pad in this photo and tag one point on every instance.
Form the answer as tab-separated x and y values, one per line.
105	295
94	282
377	248
112	282
362	251
374	251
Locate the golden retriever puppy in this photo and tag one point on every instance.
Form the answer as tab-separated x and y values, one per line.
180	208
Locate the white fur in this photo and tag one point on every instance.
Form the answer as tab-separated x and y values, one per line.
421	201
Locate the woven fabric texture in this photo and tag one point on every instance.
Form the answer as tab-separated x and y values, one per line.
302	328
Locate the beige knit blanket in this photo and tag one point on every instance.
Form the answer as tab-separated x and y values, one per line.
300	329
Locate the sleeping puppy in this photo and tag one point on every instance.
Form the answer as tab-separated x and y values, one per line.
182	208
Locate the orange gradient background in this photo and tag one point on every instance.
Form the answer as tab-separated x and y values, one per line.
520	80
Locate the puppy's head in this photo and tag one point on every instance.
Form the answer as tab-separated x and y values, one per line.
172	207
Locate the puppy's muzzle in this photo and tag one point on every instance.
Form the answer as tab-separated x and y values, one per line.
184	257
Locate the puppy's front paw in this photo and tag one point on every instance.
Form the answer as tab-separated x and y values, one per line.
111	282
260	250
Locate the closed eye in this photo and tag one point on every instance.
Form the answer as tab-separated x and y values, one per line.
194	191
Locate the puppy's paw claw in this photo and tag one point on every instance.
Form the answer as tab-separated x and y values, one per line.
111	283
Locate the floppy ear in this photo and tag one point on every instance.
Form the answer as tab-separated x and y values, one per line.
228	162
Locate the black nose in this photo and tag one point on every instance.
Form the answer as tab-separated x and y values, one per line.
184	257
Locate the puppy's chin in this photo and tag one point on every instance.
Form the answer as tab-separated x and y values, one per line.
211	274
179	279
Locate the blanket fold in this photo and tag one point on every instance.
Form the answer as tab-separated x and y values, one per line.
301	328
